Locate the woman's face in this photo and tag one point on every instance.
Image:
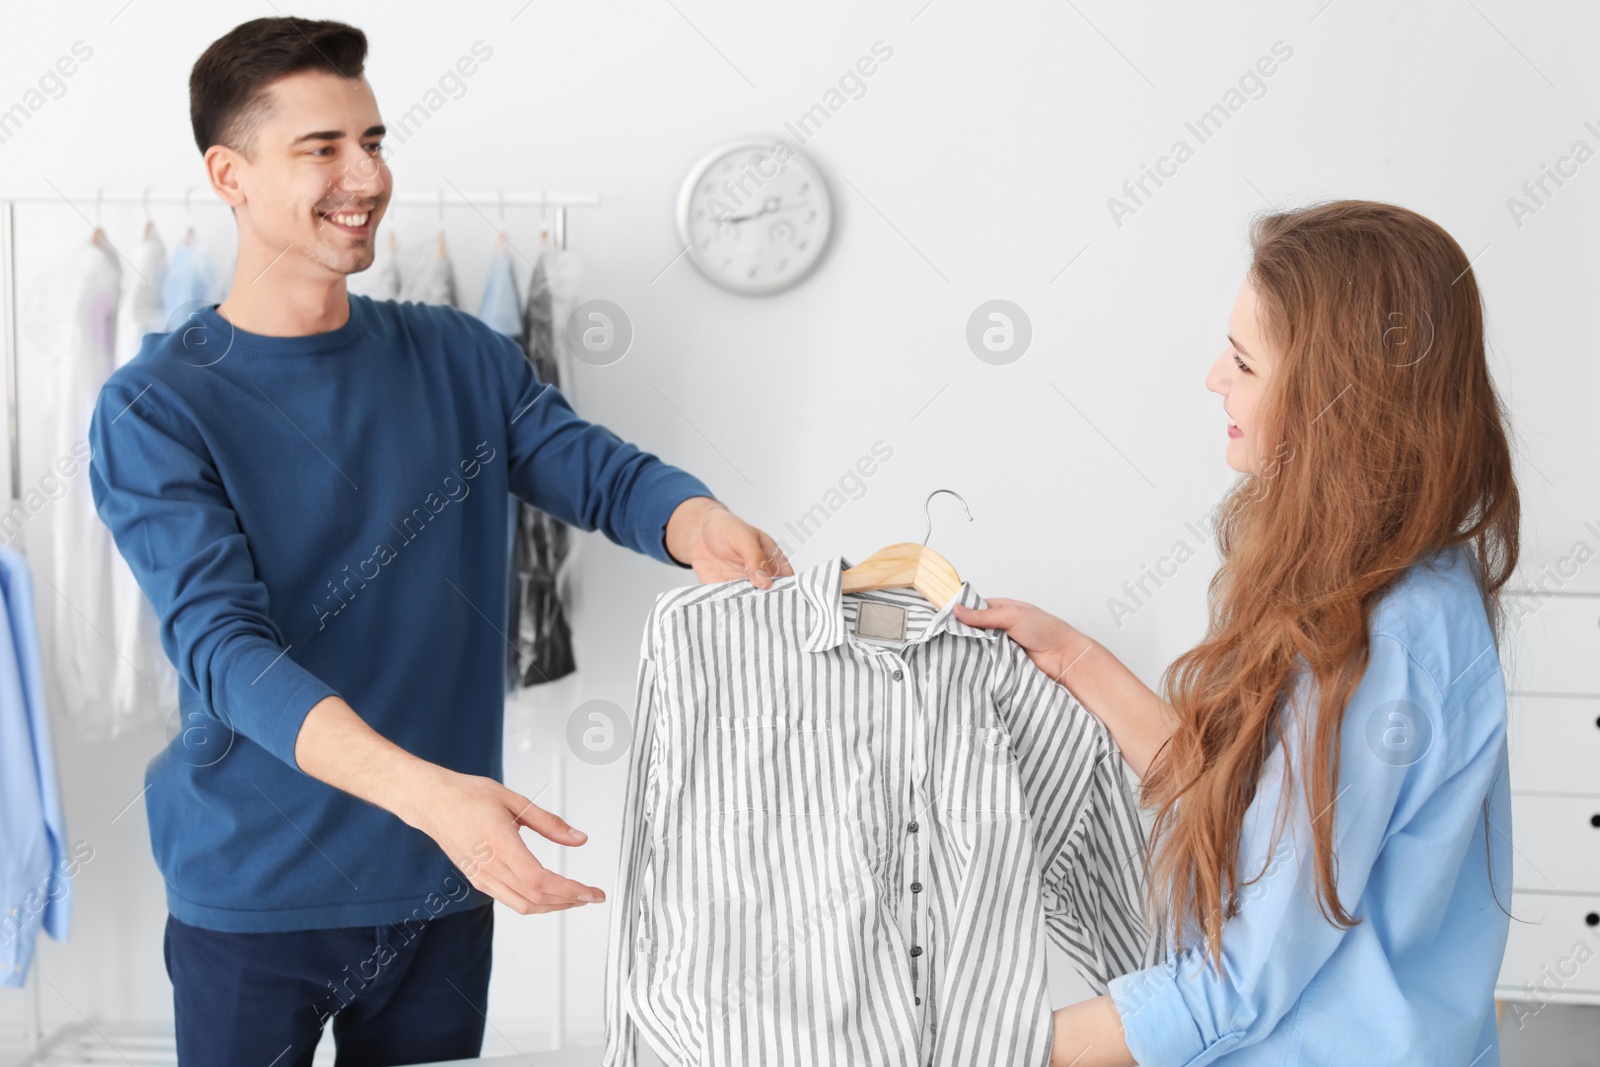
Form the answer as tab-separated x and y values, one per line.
1240	377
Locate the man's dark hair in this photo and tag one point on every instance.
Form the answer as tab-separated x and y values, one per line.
228	99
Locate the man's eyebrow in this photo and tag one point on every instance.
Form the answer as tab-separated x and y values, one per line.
335	135
1239	346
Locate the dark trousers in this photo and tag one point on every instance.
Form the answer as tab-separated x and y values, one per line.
395	994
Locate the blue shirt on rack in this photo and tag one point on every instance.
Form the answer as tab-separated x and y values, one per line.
36	870
1422	751
323	515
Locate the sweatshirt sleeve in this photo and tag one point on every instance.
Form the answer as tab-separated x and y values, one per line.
156	488
581	472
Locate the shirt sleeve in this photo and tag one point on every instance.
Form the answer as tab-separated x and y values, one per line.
581	472
155	486
629	937
1090	844
1187	1012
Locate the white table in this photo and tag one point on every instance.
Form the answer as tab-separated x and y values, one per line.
571	1057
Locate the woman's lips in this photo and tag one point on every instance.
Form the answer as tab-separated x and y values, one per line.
1234	431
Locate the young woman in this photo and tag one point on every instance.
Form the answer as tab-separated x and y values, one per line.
1331	838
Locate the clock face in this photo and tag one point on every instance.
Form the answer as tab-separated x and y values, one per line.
755	216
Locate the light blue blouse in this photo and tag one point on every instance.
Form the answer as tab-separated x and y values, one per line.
1422	747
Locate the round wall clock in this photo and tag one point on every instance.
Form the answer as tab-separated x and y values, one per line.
755	216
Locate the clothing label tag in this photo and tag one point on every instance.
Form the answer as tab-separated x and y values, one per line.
885	621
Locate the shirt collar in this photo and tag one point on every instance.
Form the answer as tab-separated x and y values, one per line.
822	586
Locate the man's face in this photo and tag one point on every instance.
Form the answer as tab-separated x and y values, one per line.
318	185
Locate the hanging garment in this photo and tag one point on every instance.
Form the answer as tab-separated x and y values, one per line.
142	309
541	546
36	870
381	281
847	819
78	334
191	280
426	274
502	311
144	684
500	307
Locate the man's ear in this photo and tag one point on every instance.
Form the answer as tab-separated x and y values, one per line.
223	167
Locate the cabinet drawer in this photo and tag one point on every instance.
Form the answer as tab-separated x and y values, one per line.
1552	948
1554	643
1555	743
1557	843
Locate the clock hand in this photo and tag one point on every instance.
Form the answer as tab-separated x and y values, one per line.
763	211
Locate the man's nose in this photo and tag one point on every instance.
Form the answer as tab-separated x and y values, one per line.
362	175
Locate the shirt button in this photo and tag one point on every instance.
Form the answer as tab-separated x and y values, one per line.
898	675
912	827
916	950
919	1000
916	887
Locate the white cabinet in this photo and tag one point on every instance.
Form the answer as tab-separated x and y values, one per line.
1553	678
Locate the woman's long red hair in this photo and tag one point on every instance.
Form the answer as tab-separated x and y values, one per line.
1391	444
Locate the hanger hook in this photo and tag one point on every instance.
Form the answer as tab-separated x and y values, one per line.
98	194
187	210
502	208
145	202
926	504
441	208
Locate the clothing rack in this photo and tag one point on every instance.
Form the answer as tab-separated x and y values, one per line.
481	202
83	1038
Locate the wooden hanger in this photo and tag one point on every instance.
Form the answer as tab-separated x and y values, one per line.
442	253
98	237
908	564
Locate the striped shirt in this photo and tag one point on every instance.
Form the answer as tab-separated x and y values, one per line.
840	847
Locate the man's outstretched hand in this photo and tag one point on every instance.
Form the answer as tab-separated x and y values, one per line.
722	547
476	821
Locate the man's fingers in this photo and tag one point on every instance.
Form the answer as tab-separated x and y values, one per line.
555	885
772	557
523	871
505	894
549	824
753	556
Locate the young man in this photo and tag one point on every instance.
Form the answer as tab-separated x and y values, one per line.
311	489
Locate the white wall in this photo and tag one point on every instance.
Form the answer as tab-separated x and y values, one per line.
977	165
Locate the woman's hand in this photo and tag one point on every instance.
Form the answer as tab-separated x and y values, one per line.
1138	718
1089	1034
1053	644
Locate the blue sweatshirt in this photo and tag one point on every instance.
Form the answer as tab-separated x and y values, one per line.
328	515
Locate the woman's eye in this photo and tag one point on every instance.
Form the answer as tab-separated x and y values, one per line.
1240	363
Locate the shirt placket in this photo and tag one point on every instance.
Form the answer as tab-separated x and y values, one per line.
905	696
907	718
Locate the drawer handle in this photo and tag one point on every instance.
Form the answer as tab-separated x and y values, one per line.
1592	919
1594	820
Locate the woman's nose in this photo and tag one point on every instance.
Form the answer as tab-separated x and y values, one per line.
1217	378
